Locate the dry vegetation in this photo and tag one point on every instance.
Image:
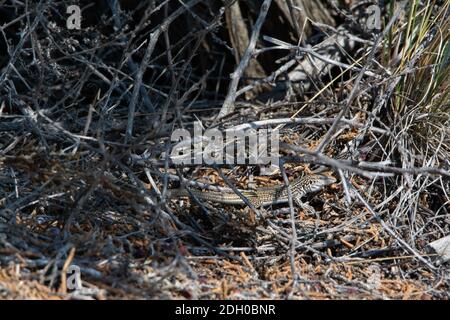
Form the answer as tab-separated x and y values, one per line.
85	123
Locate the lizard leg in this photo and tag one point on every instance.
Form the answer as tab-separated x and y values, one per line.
308	208
304	205
255	202
298	201
258	204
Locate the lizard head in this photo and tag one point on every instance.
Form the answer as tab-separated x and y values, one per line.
318	181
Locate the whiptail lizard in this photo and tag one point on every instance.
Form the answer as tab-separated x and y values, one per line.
262	196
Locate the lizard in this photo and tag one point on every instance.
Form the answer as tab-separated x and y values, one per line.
262	196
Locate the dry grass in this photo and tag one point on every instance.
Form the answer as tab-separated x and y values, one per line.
86	118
